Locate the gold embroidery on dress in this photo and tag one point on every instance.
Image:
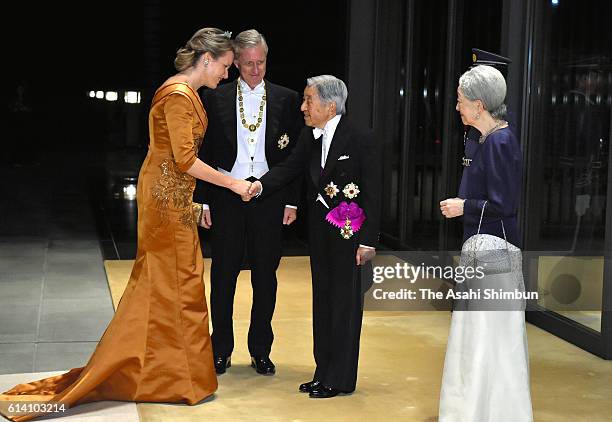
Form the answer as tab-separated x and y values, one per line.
193	218
198	210
174	188
187	218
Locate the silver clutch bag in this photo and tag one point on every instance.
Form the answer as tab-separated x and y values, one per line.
493	255
498	267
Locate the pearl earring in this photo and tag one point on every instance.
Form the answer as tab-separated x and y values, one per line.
206	62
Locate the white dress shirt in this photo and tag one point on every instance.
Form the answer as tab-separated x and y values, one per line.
250	157
328	134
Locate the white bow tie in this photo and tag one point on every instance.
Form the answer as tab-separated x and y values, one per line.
317	132
259	90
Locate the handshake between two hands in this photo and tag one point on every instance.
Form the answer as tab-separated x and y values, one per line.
247	190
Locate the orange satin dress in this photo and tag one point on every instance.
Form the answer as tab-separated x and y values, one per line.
157	348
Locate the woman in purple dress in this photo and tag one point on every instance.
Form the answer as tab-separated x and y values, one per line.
486	368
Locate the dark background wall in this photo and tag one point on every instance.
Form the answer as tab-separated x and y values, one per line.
62	52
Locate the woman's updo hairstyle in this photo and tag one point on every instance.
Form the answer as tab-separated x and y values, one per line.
211	40
487	84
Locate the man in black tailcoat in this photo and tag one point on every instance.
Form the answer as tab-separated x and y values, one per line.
342	169
252	125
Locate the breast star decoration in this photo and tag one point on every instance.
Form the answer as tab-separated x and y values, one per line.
283	141
351	191
331	189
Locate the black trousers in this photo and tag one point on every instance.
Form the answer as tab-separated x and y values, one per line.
336	303
258	226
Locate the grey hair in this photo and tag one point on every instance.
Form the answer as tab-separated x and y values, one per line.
330	89
249	39
487	84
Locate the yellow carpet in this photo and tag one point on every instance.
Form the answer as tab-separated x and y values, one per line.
402	355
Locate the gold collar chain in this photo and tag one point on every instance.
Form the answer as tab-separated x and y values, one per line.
252	126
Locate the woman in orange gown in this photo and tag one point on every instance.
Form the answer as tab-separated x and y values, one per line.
157	347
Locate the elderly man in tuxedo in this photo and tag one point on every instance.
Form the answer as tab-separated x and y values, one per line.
253	124
343	171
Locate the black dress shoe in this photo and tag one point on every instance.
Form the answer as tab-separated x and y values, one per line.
307	387
323	392
263	365
222	363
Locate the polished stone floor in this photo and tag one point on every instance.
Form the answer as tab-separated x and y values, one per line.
54	298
